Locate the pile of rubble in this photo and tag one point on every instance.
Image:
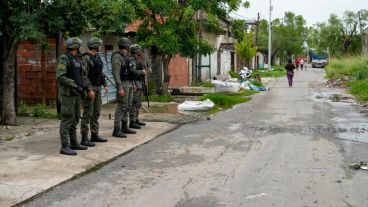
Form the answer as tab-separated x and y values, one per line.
337	83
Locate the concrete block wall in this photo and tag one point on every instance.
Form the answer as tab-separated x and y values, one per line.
179	72
36	81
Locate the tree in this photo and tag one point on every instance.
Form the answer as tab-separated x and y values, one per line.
342	35
245	48
288	34
174	27
36	19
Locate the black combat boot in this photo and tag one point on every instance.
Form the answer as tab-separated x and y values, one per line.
78	147
85	141
126	130
96	138
118	133
134	125
65	150
140	123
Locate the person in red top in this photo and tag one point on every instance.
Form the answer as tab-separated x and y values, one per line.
297	63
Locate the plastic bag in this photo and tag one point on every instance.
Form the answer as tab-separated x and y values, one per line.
196	105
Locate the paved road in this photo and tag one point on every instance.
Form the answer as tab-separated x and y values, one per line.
287	147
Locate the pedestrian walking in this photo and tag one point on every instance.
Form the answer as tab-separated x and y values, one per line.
69	77
138	61
94	78
123	72
290	72
297	63
301	64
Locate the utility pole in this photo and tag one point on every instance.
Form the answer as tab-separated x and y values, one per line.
256	39
269	39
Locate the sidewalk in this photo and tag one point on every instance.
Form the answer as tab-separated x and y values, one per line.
30	162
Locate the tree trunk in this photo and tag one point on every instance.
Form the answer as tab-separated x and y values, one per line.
10	47
165	85
1	74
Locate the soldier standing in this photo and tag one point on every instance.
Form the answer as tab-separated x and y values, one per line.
124	72
136	53
93	78
68	74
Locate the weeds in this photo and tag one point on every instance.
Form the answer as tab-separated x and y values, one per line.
157	98
38	111
23	109
225	101
234	74
359	88
354	67
7	138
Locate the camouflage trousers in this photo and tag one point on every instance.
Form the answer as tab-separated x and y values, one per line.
136	105
122	109
70	114
91	113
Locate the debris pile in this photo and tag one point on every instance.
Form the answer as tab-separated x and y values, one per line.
337	83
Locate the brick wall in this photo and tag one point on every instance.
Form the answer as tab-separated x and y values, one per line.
36	81
179	72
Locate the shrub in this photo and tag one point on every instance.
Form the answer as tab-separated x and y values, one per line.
359	88
234	74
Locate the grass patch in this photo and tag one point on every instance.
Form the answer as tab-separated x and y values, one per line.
273	73
7	138
206	84
157	98
348	66
257	83
225	100
38	111
234	74
356	68
359	88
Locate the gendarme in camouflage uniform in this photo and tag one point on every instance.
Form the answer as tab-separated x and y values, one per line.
68	74
124	72
94	79
136	52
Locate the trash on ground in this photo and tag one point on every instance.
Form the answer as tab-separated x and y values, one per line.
196	105
359	166
364	168
225	86
254	196
255	88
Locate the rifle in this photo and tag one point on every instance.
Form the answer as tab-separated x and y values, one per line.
145	85
109	79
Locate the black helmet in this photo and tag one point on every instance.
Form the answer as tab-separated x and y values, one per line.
73	43
135	49
124	42
94	42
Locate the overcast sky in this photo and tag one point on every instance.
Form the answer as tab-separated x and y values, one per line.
313	11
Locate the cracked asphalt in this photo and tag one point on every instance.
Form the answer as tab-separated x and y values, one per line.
284	148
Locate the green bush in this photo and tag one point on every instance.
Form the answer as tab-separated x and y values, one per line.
234	74
359	88
257	83
41	111
348	66
23	109
224	100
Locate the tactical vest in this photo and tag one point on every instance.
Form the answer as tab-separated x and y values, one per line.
74	69
95	74
125	70
140	66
